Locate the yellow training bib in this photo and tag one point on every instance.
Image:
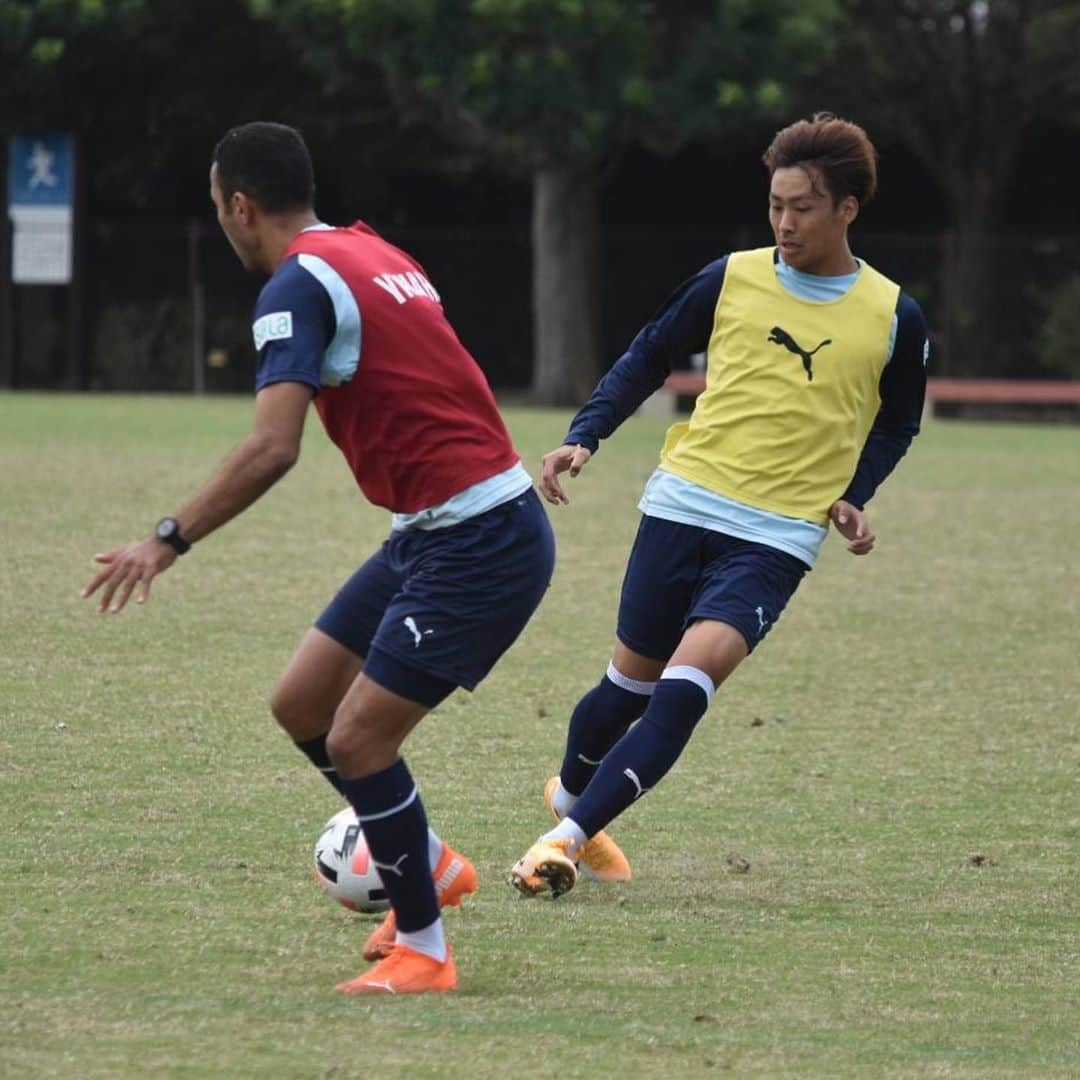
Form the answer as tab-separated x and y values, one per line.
791	390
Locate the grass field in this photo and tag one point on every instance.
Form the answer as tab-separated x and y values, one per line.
898	767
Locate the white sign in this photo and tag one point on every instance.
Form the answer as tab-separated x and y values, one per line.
41	245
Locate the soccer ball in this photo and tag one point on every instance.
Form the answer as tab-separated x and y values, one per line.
344	866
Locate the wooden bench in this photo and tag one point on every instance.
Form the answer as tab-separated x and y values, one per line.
1002	392
1041	394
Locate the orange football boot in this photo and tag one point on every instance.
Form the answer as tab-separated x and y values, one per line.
405	971
601	858
546	865
455	877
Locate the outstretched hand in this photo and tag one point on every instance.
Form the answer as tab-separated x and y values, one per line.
128	567
854	525
566	458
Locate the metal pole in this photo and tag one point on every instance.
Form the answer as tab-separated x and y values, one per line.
76	374
7	307
7	291
198	309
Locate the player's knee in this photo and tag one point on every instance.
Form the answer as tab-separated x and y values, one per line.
359	744
285	707
301	715
344	747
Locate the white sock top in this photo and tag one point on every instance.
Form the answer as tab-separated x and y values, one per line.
431	941
567	829
694	675
562	801
434	849
624	682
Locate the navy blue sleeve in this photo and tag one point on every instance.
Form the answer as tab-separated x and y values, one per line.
681	328
294	324
902	389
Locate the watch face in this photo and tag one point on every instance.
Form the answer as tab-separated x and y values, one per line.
167	530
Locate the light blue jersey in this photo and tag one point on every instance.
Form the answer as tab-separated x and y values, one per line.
478	499
822	290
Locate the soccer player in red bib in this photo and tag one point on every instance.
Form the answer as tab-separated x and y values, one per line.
814	389
352	323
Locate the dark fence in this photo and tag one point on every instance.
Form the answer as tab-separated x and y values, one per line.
168	307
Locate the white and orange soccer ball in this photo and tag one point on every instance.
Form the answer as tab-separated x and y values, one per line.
344	866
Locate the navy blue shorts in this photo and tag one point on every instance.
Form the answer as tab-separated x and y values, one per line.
681	573
433	610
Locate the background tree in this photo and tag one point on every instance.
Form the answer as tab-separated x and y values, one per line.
149	88
555	89
961	83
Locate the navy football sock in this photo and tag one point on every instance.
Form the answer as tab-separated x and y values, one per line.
599	721
395	826
644	754
315	749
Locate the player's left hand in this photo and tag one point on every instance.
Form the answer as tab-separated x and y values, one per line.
854	525
566	458
126	568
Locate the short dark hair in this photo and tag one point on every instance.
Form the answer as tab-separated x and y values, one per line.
840	150
269	163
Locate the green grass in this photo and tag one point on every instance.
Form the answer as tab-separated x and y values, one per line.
898	765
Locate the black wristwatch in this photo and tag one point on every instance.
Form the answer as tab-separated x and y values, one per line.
167	530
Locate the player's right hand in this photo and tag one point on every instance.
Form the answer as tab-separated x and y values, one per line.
127	568
566	458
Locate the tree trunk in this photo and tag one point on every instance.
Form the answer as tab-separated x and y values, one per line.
564	229
969	272
969	309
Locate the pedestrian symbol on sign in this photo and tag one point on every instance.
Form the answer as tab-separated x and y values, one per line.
40	162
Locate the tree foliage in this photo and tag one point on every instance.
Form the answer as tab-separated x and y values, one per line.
553	89
961	83
1061	330
149	88
536	82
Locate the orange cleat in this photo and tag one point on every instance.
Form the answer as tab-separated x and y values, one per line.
405	971
546	865
455	877
599	858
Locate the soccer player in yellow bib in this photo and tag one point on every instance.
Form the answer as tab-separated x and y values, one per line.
814	390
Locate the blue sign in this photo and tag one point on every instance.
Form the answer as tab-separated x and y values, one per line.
41	170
